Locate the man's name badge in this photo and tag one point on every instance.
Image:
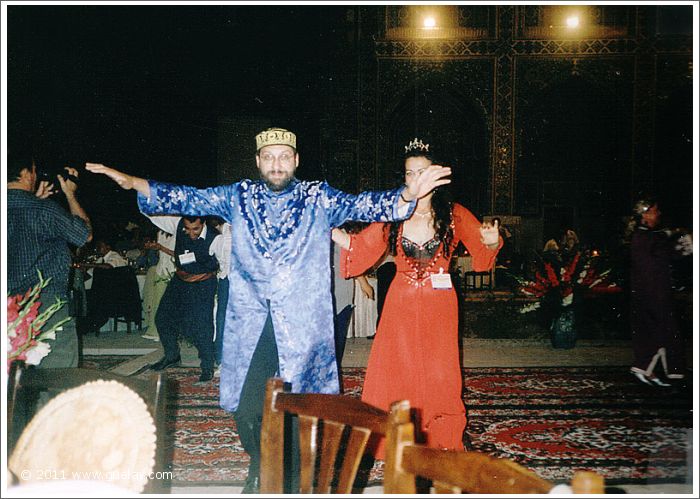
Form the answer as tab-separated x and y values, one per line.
187	257
441	280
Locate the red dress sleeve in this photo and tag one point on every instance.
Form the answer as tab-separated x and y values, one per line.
466	229
366	248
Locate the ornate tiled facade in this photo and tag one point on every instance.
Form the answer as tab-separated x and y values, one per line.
485	78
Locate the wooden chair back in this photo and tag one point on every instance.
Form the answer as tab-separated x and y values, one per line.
457	472
333	433
27	385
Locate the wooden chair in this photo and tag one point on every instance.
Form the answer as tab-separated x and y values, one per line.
457	472
27	386
333	434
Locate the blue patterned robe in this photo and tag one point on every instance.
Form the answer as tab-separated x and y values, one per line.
280	252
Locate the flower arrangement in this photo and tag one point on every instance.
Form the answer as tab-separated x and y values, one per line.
25	339
579	275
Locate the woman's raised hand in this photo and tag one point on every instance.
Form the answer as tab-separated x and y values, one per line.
427	180
489	233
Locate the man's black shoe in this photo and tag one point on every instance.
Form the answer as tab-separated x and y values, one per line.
207	375
252	485
164	363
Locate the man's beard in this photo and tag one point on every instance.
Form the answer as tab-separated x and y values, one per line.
277	184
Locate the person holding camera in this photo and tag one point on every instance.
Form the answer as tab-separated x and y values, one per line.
39	233
656	336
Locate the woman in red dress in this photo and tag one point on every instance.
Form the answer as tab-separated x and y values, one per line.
415	354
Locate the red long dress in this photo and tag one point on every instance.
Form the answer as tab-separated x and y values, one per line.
415	354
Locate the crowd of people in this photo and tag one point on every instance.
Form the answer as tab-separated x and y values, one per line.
244	271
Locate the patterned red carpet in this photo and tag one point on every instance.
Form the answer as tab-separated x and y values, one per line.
551	420
557	420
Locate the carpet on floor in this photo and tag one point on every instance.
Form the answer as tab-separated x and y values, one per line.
552	420
104	362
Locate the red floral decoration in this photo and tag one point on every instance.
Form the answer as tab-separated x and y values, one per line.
25	339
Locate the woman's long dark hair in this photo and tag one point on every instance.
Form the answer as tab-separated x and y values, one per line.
441	203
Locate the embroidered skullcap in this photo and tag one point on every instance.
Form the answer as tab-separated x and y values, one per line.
275	136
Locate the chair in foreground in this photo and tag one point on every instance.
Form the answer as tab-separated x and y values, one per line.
333	434
457	472
87	424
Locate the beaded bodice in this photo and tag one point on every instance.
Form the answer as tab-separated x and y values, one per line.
422	253
418	260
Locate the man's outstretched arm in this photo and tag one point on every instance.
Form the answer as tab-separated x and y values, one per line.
124	180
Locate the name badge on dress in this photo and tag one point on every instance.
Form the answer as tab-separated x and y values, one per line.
441	280
187	257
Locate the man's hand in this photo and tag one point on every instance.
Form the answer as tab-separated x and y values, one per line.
125	181
489	233
427	180
341	238
44	190
68	186
685	244
151	245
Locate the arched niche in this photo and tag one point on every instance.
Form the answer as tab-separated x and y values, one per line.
454	126
575	153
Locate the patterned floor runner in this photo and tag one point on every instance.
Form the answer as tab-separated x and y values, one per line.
104	362
557	420
551	420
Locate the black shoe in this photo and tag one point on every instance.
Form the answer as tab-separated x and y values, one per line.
164	363
207	375
371	336
252	485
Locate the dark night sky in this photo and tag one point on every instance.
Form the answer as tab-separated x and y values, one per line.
141	87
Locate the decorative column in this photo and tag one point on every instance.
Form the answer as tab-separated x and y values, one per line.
643	106
501	190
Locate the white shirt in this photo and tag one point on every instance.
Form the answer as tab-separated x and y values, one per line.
114	259
166	263
169	224
221	247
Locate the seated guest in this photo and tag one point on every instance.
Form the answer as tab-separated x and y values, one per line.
107	259
551	254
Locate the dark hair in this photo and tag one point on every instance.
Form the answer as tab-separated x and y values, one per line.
441	203
194	218
215	220
18	159
353	227
642	203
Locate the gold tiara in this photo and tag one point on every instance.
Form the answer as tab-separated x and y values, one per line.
275	136
417	144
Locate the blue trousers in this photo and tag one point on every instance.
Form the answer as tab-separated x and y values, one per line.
187	308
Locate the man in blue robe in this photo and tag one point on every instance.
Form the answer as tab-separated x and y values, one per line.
279	319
